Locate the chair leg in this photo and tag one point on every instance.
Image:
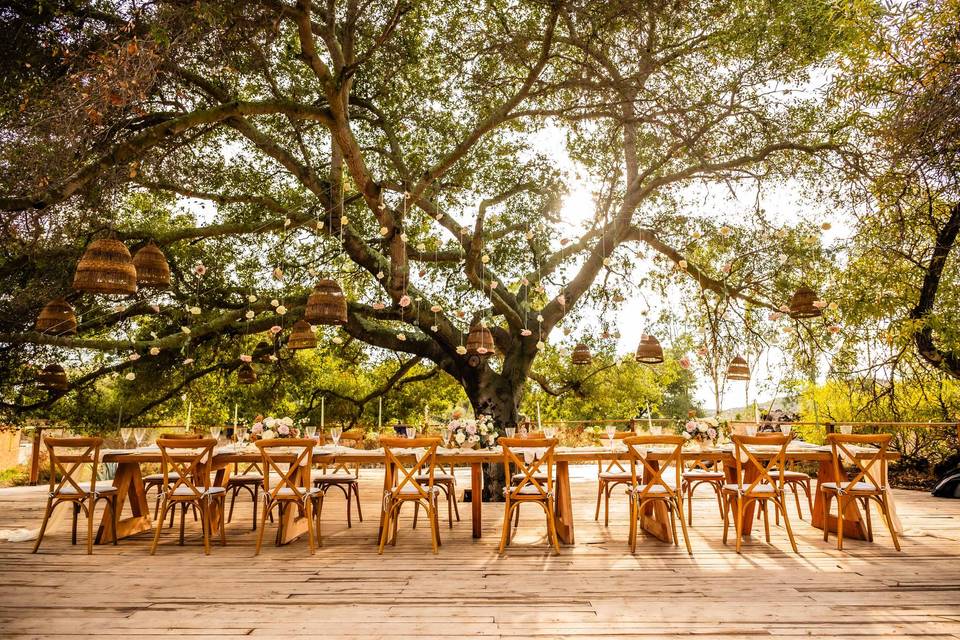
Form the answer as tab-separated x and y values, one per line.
114	516
552	528
718	492
156	534
516	519
606	504
319	510
786	522
396	522
632	536
183	518
806	489
76	513
827	497
356	495
796	496
687	491
385	526
726	517
841	506
866	510
766	519
43	525
456	510
885	508
156	507
90	510
349	507
233	498
683	525
256	502
205	524
263	526
308	513
416	512
434	525
673	524
738	522
223	523
449	491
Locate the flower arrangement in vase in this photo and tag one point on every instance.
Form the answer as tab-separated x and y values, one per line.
701	431
268	428
468	433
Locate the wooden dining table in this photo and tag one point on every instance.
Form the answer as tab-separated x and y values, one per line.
655	520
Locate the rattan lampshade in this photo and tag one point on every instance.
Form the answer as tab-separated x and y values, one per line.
106	268
302	336
801	304
326	304
649	350
53	378
738	369
246	374
480	341
57	319
152	268
581	354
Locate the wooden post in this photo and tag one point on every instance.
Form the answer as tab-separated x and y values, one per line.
35	457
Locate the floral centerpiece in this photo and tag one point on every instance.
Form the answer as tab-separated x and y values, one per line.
703	431
267	428
467	433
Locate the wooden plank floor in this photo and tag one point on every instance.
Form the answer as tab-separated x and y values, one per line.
595	589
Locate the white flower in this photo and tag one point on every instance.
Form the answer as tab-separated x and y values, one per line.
131	376
403	237
245	358
421	247
833	306
436	308
725	231
434	328
682	264
606	262
384	231
344	220
540	345
337	340
401	337
199	269
380	275
484	258
250	315
274	303
133	357
272	357
529	235
268	434
287	222
251	298
188	361
494	284
195	310
462	350
696	235
461	437
539	318
186	330
154	351
287	420
281	310
526	332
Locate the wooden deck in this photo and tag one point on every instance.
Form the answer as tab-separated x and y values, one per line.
592	590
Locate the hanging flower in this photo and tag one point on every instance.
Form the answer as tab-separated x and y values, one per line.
436	308
133	357
337	340
524	281
775	315
249	315
685	362
120	308
461	350
810	240
834	328
606	262
278	273
199	269
287	222
820	304
186	330
833	306
494	284
696	235
434	328
380	275
461	313
539	318
155	308
384	231
725	231
195	310
272	357
274	303
275	329
403	237
251	298
481	350
562	299
344	221
245	358
401	337
281	310
154	351
540	345
826	226
404	301
682	264
529	235
378	305
484	258
421	247
785	308
564	242
726	268
188	361
131	376
439	217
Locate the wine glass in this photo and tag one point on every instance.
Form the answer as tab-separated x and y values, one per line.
446	435
241	435
215	433
125	434
510	431
139	433
311	432
785	429
751	430
549	432
335	434
611	433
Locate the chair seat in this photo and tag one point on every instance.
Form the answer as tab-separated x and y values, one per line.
653	489
615	475
437	477
334	478
866	487
703	474
287	493
532	490
103	487
186	492
246	478
157	478
410	490
795	475
760	489
539	477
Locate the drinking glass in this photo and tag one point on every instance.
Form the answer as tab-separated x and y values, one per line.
445	434
549	432
335	433
241	434
785	429
751	431
510	431
125	434
846	429
411	432
215	432
139	433
311	432
611	433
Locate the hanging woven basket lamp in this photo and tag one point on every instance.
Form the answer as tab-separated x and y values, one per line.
649	350
106	268
153	272
262	351
53	378
738	369
326	304
480	345
581	355
302	336
246	374
57	319
801	304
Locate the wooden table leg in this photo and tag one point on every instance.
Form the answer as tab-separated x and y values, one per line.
563	506
655	518
129	484
221	479
476	497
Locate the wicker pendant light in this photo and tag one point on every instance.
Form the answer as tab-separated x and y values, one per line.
326	304
106	268
262	351
649	350
246	374
57	319
152	268
480	345
302	336
53	378
738	369
581	355
801	304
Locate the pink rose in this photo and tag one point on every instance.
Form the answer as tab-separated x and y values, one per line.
685	362
200	270
690	426
404	301
275	329
283	430
257	428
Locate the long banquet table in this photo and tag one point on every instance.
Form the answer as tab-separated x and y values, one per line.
129	483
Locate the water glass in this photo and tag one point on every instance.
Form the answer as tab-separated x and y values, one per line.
335	433
611	433
549	432
311	432
215	433
125	434
139	433
241	435
411	432
510	431
846	429
785	429
751	430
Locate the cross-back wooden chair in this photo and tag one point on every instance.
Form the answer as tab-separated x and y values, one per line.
611	473
530	489
648	484
155	480
68	456
793	480
698	474
344	476
286	464
245	477
406	484
758	482
189	460
867	482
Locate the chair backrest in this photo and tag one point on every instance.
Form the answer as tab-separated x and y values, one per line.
528	456
182	436
745	456
652	476
423	451
288	461
615	465
872	469
353	438
190	458
67	457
